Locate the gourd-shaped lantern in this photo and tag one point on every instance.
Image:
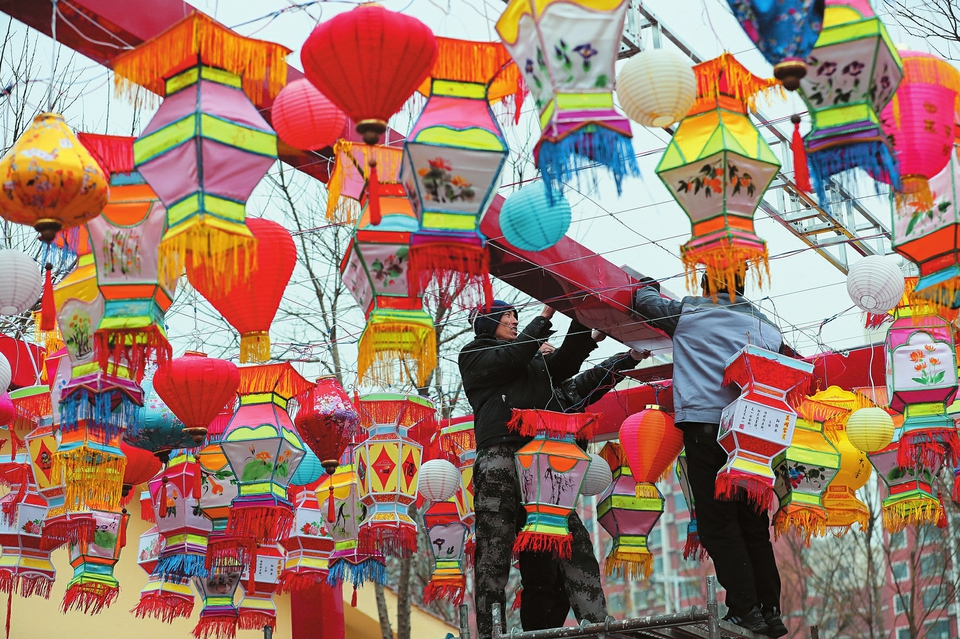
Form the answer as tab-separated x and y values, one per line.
218	616
388	464
458	440
717	167
784	32
264	451
327	422
218	489
566	50
399	334
804	470
551	469
452	161
261	577
627	518
309	546
25	565
196	388
93	586
448	537
758	426
852	73
692	546
162	598
251	305
910	499
342	55
207	146
158	431
175	494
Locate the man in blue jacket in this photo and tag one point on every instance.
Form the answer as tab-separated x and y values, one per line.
707	331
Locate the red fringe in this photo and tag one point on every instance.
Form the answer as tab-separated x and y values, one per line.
291	581
876	320
693	549
801	172
256	620
560	546
353	598
260	522
458	268
403	413
450	591
114	153
469	551
33	407
218	627
8	581
533	422
30	586
929	449
517	599
48	308
132	348
90	598
164	607
146	511
227	552
732	484
393	539
77	530
956	485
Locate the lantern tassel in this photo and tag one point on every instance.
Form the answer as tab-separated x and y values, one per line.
693	548
163	606
216	626
331	512
197	480
353	598
256	620
929	448
801	174
633	564
732	482
373	194
517	599
451	590
90	597
562	159
48	307
808	521
560	546
9	612
255	347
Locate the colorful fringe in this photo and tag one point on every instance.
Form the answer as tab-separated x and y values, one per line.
628	564
396	539
132	349
592	143
281	379
106	414
180	566
351	168
560	546
460	271
693	548
114	153
873	156
90	597
369	569
216	627
163	606
92	478
733	484
255	347
738	81
479	62
911	512
199	39
387	342
231	255
449	590
724	261
534	422
260	522
929	448
60	530
808	521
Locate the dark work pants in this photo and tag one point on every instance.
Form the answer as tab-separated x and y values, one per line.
734	533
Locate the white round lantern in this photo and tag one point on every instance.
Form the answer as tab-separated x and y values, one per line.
20	284
598	476
657	87
870	429
439	480
6	374
875	284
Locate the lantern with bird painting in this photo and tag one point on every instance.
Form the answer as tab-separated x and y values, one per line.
94	586
175	494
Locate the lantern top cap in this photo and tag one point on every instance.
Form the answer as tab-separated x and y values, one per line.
535	422
281	379
508	26
725	75
262	65
486	63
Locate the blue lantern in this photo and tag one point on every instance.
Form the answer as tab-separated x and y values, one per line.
158	430
530	221
308	471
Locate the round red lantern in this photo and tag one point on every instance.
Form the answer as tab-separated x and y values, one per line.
305	118
250	306
368	61
196	388
651	443
142	465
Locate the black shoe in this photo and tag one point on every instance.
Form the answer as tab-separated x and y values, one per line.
752	621
771	617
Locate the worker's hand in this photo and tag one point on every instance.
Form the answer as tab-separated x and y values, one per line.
546	348
639	356
598	336
547	312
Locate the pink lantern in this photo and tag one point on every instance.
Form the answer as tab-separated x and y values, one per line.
308	547
306	119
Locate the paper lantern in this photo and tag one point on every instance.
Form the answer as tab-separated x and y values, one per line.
309	470
629	519
6	374
136	294
93	586
251	305
368	61
218	616
453	158
651	443
853	71
207	146
439	480
41	446
691	547
448	536
308	548
158	431
551	469
458	440
399	335
21	285
870	429
804	471
305	118
598	477
784	33
717	167
141	467
175	494
165	599
388	465
758	426
531	221
875	284
656	87
196	388
566	50
257	610
264	451
910	500
25	566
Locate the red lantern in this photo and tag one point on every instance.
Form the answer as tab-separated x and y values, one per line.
142	465
651	443
250	306
369	61
196	388
305	118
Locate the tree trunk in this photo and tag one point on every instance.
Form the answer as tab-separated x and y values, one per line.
403	599
385	630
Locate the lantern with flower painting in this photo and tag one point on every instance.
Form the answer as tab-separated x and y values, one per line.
717	167
175	495
309	546
218	615
399	334
448	537
910	499
218	489
853	72
566	50
25	566
260	580
452	161
94	586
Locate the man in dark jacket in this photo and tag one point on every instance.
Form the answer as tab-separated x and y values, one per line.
707	331
503	369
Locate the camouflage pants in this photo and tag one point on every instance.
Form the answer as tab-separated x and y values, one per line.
500	515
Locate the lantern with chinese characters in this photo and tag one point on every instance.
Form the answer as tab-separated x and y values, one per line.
910	500
260	579
399	334
94	586
218	616
804	470
852	73
785	32
388	463
691	547
207	146
342	54
551	469
566	50
758	426
158	431
448	536
25	566
452	161
264	451
196	388
308	548
717	167
627	518
251	305
458	440
175	493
